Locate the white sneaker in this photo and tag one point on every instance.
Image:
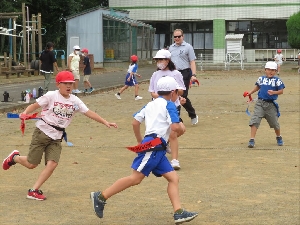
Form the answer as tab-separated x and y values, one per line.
118	96
194	121
77	91
138	98
175	164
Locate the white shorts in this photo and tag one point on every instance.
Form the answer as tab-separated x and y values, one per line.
76	74
86	77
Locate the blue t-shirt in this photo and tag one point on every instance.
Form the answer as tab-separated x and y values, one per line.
87	69
265	84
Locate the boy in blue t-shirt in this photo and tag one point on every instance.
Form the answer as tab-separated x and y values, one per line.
86	71
268	87
160	117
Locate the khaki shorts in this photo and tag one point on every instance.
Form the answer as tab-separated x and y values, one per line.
41	143
76	74
265	110
86	77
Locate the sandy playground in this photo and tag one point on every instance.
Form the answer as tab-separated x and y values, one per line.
221	178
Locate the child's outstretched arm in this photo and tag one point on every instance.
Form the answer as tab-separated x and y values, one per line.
32	107
255	89
136	129
96	117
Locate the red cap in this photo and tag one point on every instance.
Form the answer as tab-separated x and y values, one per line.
134	58
64	77
85	50
279	51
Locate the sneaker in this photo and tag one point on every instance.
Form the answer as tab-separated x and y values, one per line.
8	161
138	98
77	91
175	164
118	96
279	141
36	195
194	121
185	216
91	90
98	205
251	143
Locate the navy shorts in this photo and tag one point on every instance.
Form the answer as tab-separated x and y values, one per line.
132	81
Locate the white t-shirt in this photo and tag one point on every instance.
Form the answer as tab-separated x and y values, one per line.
163	73
278	58
74	62
58	111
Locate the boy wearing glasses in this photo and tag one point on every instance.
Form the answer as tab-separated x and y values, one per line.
58	109
160	116
183	56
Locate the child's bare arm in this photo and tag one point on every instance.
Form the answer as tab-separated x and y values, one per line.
154	95
255	89
96	117
136	129
31	108
177	127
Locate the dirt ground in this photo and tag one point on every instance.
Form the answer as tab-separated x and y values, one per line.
221	178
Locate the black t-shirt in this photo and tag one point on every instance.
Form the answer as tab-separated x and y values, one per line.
87	69
47	58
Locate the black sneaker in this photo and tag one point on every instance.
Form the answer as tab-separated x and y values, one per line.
98	205
185	216
279	141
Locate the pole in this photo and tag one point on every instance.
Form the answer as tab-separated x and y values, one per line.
14	41
24	35
39	19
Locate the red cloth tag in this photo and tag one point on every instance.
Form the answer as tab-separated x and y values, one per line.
145	146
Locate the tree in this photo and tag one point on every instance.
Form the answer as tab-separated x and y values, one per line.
293	29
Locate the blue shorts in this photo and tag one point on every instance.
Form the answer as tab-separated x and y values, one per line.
152	161
132	81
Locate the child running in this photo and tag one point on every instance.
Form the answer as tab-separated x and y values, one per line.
268	87
58	109
160	118
167	68
86	71
279	58
130	79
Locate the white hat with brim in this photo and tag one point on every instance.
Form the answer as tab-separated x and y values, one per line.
167	84
76	47
162	54
271	65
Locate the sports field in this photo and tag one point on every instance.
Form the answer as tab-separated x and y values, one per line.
221	178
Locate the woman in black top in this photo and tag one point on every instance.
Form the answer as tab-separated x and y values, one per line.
48	60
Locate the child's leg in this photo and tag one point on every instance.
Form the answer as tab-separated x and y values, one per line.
173	139
123	183
136	90
277	132
253	131
122	89
23	161
173	190
45	174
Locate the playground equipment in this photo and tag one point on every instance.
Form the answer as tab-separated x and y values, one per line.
27	35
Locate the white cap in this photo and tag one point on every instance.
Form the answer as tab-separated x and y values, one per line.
167	84
271	65
76	47
162	54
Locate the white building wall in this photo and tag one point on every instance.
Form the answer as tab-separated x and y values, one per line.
146	10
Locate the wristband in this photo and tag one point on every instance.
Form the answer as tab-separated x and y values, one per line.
194	75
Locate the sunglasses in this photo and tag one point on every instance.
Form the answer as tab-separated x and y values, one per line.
179	36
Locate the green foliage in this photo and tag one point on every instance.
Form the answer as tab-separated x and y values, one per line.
293	29
53	14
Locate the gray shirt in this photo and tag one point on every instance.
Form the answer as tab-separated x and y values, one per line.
182	55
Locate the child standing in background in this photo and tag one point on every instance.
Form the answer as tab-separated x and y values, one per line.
279	58
130	79
86	71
